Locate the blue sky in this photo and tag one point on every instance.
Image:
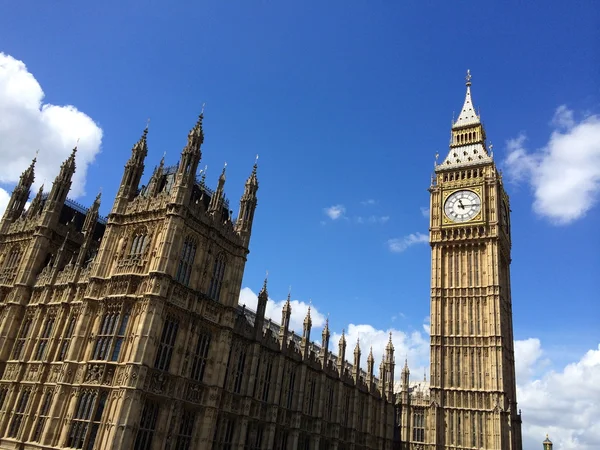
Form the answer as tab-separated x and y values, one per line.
347	104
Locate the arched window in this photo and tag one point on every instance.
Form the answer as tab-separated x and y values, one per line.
216	281
139	243
186	261
12	260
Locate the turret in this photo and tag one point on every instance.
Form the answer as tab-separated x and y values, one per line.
547	443
286	313
307	325
60	190
341	353
325	342
389	367
216	201
89	225
36	204
405	393
248	203
188	164
155	180
370	367
19	197
356	368
263	297
134	169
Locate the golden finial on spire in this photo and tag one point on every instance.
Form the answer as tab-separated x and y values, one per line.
203	105
468	77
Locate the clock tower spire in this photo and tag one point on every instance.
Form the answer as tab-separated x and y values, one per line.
473	390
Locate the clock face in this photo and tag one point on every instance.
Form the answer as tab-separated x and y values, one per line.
462	206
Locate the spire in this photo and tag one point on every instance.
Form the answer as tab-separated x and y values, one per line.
341	352
306	335
547	443
196	134
356	367
307	319
390	347
19	197
263	298
325	342
248	204
370	366
216	201
60	190
468	139
132	174
286	313
36	203
467	115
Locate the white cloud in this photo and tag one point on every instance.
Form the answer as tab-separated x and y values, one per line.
398	245
565	404
4	198
425	211
335	212
28	124
565	173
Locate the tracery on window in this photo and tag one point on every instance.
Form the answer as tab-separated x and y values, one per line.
19	413
145	433
200	356
183	439
66	339
19	346
12	261
43	415
216	282
167	344
111	333
186	261
224	434
86	419
44	338
139	243
419	425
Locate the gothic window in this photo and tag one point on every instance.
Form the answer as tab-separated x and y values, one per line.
66	339
458	430
186	429
200	357
328	401
44	338
346	408
167	344
143	438
139	243
111	333
265	379
224	434
12	261
281	439
290	389
451	426
43	416
86	419
238	375
473	371
3	394
19	413
476	265
216	281
450	271
186	261
481	438
419	425
254	437
19	346
312	387
470	268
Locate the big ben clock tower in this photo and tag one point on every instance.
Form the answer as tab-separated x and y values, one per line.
473	389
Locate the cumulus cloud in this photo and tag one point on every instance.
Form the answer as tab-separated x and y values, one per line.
565	403
335	212
398	245
565	173
27	124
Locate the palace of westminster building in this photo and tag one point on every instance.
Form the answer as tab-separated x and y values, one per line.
125	332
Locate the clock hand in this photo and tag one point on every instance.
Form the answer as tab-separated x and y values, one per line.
460	204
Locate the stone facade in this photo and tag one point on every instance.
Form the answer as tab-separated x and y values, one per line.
126	333
470	400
